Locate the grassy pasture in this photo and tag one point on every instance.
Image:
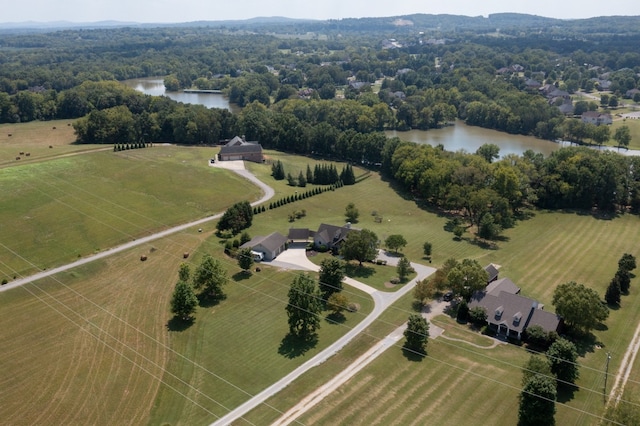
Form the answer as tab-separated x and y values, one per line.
36	138
55	211
541	252
452	384
95	345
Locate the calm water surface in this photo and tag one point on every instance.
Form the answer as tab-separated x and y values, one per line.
453	138
470	138
155	86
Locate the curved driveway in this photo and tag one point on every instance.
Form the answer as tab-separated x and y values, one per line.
236	166
296	258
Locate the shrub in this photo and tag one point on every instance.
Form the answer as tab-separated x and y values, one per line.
478	315
322	248
4	281
352	307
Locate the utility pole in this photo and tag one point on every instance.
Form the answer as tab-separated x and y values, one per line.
606	374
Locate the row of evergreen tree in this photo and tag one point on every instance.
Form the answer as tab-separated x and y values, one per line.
303	195
622	279
323	174
126	146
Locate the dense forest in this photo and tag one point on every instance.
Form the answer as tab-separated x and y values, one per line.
329	88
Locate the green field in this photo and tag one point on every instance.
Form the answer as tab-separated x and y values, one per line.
95	345
55	211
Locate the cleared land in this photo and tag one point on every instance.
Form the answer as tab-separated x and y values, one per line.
55	211
112	356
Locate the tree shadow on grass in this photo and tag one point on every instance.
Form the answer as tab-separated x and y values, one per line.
335	318
178	324
293	346
357	271
210	301
412	354
566	392
241	276
585	342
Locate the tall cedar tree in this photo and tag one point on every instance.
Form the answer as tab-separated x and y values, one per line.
347	176
612	295
277	170
627	262
624	280
304	307
404	269
309	175
245	259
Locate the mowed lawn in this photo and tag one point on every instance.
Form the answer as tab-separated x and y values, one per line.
53	212
541	252
96	345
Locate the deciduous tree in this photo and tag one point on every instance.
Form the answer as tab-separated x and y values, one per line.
467	277
245	259
332	272
352	213
360	246
563	359
183	301
537	402
209	277
395	242
417	333
579	306
337	303
404	268
423	291
304	307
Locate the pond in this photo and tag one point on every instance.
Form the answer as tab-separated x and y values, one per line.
469	138
155	86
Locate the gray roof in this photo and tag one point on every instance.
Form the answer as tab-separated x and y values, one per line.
492	272
237	145
332	233
515	311
271	242
299	233
504	284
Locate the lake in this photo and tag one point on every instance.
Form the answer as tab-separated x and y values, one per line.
453	138
470	138
155	86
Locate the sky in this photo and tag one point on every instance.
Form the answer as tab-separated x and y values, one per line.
168	11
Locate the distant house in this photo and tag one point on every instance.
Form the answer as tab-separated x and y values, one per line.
270	246
631	93
597	118
567	107
509	313
532	84
239	149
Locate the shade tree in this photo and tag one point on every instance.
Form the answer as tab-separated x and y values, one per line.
304	307
332	272
183	301
360	245
209	277
563	359
416	333
395	242
579	306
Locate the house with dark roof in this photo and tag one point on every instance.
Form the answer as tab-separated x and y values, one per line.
597	118
509	313
270	246
239	149
331	236
298	235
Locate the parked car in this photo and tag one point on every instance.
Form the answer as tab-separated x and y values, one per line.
447	296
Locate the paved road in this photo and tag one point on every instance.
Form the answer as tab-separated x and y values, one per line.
295	258
236	166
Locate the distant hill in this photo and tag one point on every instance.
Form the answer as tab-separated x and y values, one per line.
513	22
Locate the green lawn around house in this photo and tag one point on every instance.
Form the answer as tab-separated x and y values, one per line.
104	328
